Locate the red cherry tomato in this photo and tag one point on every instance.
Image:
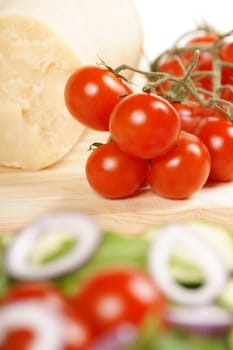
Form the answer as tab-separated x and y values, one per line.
227	76
192	114
183	170
205	61
226	51
91	92
200	39
218	138
227	94
45	291
188	116
206	65
111	298
22	337
144	125
77	335
113	173
226	54
171	66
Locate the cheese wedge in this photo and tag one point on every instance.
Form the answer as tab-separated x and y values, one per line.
41	44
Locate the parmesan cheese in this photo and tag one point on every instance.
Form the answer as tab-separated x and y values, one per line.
41	43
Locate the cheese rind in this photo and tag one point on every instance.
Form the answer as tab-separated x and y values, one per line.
109	29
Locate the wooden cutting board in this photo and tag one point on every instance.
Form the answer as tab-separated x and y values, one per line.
25	195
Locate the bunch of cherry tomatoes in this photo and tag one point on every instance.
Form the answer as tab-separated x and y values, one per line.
175	135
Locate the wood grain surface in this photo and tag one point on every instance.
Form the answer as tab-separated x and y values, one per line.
26	195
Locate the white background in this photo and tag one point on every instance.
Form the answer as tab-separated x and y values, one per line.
165	20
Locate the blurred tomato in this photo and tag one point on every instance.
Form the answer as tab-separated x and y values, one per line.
111	298
218	138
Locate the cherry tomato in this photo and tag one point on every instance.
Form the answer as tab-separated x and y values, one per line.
227	76
227	94
192	114
113	173
206	65
91	92
171	66
77	335
188	116
205	61
226	51
226	54
183	170
144	125
111	298
22	337
200	39
218	137
45	291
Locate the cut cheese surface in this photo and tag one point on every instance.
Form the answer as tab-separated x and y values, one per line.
41	43
11	137
36	129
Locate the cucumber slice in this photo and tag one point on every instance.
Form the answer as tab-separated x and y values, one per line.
183	267
52	247
84	236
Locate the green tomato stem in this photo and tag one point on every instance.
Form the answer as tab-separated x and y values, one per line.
186	82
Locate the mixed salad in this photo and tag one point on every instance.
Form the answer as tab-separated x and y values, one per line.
66	284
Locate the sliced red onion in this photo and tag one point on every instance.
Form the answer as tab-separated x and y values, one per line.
214	269
209	320
84	229
123	335
46	325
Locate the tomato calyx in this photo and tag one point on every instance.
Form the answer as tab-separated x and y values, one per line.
94	146
116	72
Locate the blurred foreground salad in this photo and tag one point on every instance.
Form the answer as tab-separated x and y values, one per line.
66	284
